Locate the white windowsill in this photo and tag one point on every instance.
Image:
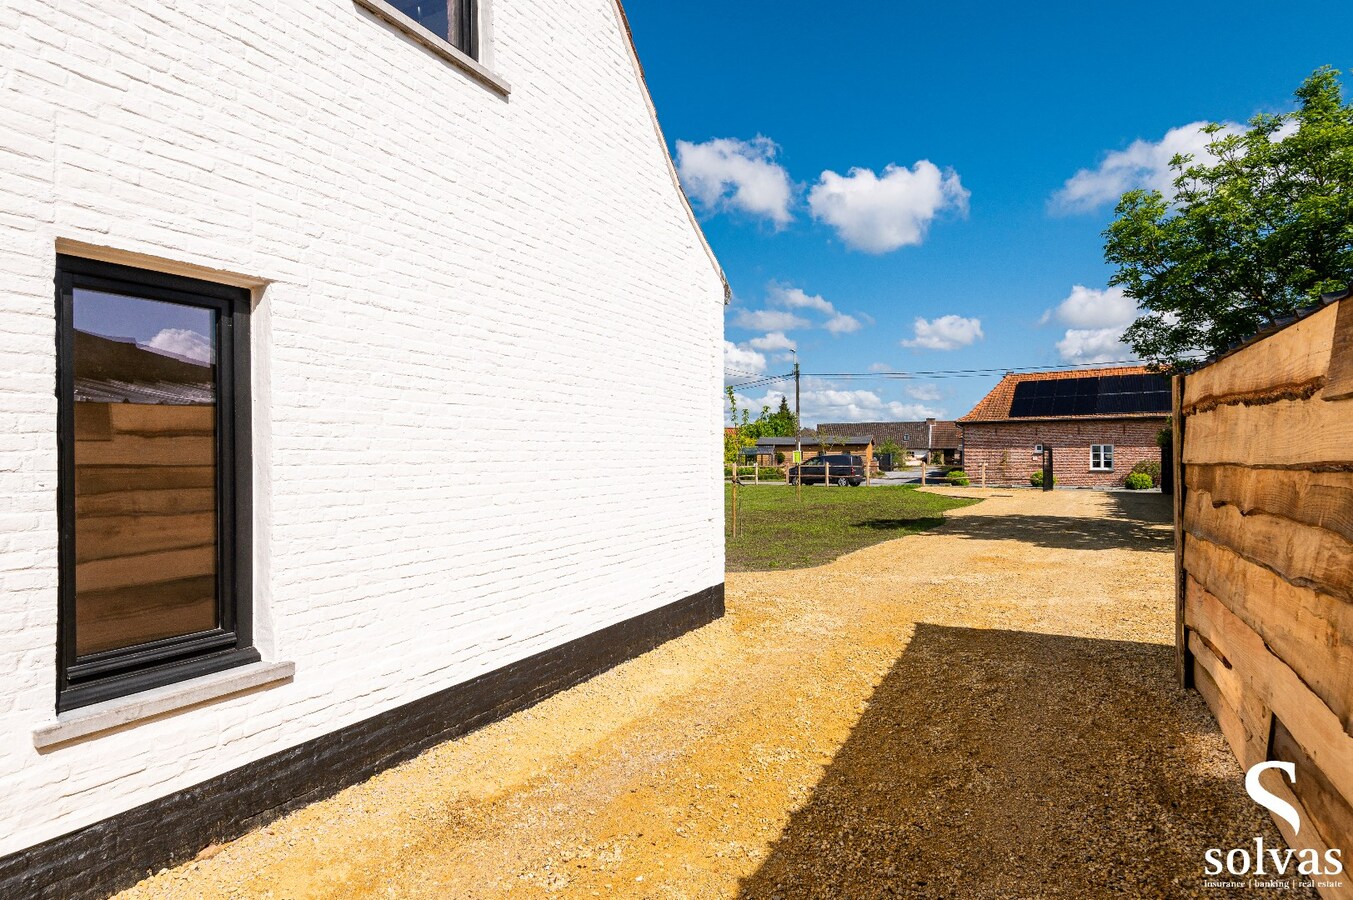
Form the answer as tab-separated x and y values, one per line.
139	707
440	46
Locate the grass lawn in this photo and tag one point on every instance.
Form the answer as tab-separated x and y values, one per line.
777	532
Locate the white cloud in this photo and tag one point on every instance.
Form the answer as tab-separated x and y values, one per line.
1097	320
742	359
796	298
880	367
1090	308
773	341
183	344
945	333
879	214
1143	164
929	392
727	173
822	400
1093	345
842	324
769	320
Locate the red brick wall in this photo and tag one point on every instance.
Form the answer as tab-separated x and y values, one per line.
1007	448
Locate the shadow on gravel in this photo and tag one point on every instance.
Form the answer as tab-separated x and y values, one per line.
1011	764
1135	522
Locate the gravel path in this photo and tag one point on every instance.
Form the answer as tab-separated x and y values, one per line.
982	710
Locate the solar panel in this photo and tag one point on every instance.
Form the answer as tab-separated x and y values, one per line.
1091	395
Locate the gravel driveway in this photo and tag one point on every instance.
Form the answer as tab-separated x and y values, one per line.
982	710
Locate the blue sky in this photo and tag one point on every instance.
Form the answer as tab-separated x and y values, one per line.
1007	103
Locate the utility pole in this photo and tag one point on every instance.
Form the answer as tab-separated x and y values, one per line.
798	433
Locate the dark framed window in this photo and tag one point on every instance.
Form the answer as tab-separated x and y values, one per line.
455	21
154	483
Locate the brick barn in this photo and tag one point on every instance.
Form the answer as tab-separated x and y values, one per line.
293	294
1099	422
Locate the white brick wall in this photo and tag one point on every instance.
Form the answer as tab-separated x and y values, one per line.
464	290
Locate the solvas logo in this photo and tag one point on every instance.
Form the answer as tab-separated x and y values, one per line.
1269	860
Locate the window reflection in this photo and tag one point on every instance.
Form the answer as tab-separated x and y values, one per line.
145	470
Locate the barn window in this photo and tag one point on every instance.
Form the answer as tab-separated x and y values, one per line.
153	406
1101	457
1038	449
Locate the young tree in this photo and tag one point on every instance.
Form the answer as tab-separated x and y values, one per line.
1257	232
781	423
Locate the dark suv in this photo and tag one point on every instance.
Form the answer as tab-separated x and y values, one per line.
841	468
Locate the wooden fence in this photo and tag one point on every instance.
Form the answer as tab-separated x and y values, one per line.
1264	561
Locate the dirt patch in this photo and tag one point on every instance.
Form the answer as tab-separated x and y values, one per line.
982	710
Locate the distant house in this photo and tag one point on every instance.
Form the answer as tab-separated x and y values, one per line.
917	438
1099	422
775	450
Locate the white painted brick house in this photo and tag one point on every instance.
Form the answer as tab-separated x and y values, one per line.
437	282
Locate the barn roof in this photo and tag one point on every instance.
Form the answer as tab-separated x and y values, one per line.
910	435
815	441
1115	392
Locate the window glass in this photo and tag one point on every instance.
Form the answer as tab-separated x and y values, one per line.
145	470
434	15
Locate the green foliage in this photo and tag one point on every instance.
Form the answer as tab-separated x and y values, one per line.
1036	478
891	446
1261	230
1165	437
781	423
1138	481
1149	468
959	478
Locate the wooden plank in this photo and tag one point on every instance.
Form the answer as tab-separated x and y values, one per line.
135	450
1227	696
1311	722
1307	839
1324	810
1299	433
1339	385
149	420
93	422
117	537
1297	355
152	503
1310	631
1183	664
134	615
1305	556
130	571
1321	499
91	480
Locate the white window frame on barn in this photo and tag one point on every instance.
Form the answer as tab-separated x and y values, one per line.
1101	457
1038	449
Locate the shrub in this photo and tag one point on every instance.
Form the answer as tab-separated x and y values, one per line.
1149	468
958	478
1138	481
1036	478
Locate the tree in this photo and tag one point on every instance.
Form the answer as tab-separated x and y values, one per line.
782	422
1252	234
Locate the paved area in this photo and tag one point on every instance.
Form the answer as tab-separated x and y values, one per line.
982	710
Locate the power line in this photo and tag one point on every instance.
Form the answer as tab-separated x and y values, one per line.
930	374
